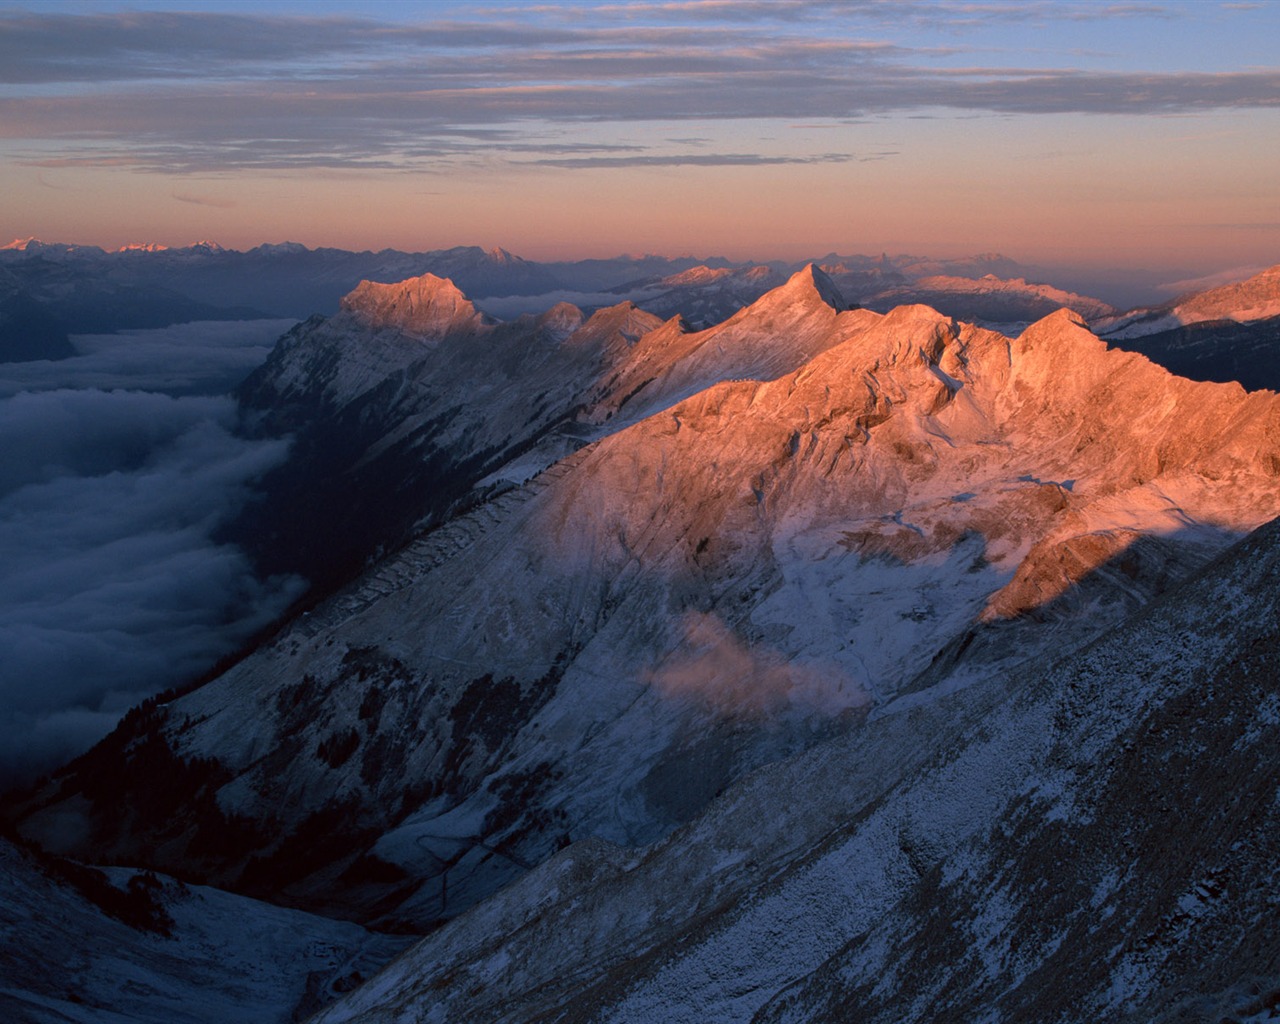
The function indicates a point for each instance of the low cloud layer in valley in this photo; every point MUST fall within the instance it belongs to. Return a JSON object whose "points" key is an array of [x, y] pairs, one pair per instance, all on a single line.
{"points": [[112, 585], [208, 358]]}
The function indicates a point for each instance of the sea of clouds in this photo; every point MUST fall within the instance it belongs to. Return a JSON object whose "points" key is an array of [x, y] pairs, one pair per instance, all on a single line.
{"points": [[117, 467]]}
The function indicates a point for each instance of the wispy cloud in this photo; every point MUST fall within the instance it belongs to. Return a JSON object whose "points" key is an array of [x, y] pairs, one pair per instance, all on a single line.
{"points": [[195, 92], [692, 160], [1249, 225], [712, 10], [711, 666], [1204, 283], [214, 201]]}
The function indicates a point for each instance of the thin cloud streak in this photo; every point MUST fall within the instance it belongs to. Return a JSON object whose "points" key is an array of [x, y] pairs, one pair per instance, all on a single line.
{"points": [[950, 14], [336, 127], [693, 160], [201, 92], [215, 202], [143, 46]]}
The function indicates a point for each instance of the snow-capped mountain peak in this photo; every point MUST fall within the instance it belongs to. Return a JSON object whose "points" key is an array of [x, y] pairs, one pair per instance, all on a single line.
{"points": [[560, 321], [1064, 323], [36, 246], [426, 307], [1253, 299], [280, 249], [806, 287]]}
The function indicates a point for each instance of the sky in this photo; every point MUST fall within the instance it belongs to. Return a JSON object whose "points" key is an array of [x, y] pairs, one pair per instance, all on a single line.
{"points": [[1059, 133]]}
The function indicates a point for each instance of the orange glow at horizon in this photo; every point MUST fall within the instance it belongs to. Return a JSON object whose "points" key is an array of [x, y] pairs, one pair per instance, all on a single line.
{"points": [[590, 131], [1029, 201]]}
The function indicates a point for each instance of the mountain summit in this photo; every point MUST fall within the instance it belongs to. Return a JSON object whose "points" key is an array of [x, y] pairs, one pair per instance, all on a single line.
{"points": [[426, 307], [805, 287], [1257, 298]]}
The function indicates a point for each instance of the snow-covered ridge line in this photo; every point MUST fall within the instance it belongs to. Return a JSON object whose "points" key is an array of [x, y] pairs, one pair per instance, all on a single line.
{"points": [[1257, 298]]}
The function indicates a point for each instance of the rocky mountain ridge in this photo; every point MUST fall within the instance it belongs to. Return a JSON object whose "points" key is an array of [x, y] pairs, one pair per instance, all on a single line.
{"points": [[1228, 333], [1257, 298], [434, 400], [989, 299], [781, 539], [289, 279], [734, 642], [51, 291]]}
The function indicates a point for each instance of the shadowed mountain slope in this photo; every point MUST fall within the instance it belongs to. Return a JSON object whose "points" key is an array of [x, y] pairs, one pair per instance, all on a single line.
{"points": [[1096, 839]]}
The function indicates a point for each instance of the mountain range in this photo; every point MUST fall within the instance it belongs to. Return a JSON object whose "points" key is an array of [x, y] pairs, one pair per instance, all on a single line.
{"points": [[795, 663], [51, 290]]}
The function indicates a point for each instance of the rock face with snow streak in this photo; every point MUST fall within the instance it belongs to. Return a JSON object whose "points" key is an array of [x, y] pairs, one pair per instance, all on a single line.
{"points": [[782, 525], [1092, 840], [1257, 298]]}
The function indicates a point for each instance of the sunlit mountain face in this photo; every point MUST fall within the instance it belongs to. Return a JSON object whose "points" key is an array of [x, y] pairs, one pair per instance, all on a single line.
{"points": [[749, 641], [180, 461]]}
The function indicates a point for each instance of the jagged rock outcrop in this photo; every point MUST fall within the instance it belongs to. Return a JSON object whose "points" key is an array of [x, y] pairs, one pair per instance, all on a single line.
{"points": [[779, 332], [428, 308]]}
